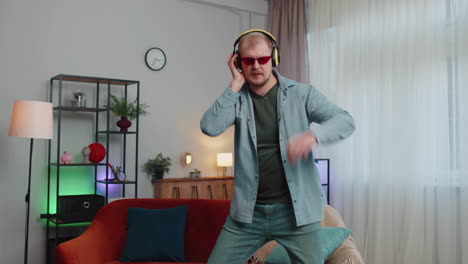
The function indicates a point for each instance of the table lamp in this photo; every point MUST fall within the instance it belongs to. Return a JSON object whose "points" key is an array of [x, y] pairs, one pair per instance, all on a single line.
{"points": [[31, 119], [224, 160]]}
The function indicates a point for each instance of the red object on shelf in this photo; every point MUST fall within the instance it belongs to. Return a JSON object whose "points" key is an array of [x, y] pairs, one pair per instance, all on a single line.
{"points": [[98, 152], [124, 124]]}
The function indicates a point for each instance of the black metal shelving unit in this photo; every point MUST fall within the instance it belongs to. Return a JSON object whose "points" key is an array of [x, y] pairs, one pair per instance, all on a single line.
{"points": [[325, 185], [57, 85]]}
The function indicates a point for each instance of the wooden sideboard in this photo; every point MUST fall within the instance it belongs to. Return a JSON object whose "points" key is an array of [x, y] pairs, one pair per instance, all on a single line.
{"points": [[195, 188]]}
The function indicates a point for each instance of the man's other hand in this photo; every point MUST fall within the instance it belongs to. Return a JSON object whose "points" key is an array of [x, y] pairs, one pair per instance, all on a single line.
{"points": [[300, 146]]}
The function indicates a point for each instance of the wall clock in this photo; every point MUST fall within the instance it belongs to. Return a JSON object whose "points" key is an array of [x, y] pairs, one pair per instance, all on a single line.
{"points": [[155, 59]]}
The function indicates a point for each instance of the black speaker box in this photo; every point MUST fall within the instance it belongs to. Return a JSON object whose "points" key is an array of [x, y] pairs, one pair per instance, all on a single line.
{"points": [[78, 208]]}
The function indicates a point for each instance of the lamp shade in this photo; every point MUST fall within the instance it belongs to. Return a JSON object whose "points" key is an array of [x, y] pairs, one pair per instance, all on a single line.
{"points": [[224, 159], [31, 119]]}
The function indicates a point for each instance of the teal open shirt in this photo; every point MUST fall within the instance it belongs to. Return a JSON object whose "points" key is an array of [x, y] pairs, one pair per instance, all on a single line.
{"points": [[298, 106]]}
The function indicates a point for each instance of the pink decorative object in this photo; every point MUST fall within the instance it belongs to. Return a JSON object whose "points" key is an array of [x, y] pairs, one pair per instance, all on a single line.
{"points": [[66, 158], [98, 152]]}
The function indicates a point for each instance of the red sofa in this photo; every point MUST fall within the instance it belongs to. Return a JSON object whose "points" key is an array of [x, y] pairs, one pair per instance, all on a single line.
{"points": [[104, 241]]}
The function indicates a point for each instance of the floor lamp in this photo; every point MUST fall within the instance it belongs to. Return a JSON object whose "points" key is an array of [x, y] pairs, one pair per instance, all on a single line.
{"points": [[31, 119]]}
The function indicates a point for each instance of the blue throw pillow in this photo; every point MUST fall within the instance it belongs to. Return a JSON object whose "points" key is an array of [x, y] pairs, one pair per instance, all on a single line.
{"points": [[155, 235], [332, 238]]}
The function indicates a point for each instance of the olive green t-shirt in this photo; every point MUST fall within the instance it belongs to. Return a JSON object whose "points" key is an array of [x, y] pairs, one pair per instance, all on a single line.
{"points": [[272, 186]]}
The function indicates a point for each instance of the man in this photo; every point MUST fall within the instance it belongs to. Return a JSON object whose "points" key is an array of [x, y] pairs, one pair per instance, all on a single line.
{"points": [[278, 194]]}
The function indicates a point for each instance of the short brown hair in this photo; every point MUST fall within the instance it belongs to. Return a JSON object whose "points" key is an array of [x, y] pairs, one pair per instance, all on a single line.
{"points": [[250, 38]]}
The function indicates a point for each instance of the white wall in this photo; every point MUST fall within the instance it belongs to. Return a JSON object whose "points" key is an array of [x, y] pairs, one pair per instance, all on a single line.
{"points": [[257, 6], [109, 38]]}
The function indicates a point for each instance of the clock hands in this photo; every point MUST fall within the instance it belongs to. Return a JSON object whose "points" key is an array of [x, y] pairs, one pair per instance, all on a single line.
{"points": [[154, 61]]}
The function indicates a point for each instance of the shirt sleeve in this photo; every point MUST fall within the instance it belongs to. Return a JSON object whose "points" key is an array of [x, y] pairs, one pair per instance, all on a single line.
{"points": [[221, 115], [334, 123]]}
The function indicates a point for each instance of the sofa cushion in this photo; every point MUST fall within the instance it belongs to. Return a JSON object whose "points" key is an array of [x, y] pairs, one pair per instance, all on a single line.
{"points": [[155, 235], [332, 237]]}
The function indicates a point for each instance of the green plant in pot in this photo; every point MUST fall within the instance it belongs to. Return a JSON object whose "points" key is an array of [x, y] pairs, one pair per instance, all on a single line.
{"points": [[195, 173], [127, 111], [158, 166]]}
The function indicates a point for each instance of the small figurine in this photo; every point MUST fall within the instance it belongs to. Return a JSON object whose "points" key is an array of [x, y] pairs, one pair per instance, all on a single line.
{"points": [[79, 99], [86, 151], [66, 158]]}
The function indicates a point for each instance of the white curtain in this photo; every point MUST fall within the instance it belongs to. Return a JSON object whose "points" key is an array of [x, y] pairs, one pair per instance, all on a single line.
{"points": [[401, 69]]}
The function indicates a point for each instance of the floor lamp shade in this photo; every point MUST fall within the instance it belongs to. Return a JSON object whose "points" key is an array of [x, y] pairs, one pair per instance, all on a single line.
{"points": [[31, 119]]}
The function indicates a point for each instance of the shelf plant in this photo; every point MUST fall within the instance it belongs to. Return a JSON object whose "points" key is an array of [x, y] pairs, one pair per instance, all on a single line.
{"points": [[127, 111]]}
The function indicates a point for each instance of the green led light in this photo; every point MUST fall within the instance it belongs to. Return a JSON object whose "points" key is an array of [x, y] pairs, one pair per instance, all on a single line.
{"points": [[52, 224], [73, 181]]}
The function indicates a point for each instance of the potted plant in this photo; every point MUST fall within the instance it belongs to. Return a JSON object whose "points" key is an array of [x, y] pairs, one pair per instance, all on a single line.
{"points": [[195, 173], [158, 166], [127, 111]]}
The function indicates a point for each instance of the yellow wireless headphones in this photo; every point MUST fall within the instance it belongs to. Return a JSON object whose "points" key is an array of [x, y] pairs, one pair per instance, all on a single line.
{"points": [[274, 53]]}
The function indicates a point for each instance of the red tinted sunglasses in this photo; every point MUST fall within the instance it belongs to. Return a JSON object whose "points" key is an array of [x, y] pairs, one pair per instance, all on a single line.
{"points": [[251, 61]]}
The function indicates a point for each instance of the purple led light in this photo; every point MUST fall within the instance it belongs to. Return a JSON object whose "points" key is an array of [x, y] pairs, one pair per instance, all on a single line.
{"points": [[322, 168], [114, 190]]}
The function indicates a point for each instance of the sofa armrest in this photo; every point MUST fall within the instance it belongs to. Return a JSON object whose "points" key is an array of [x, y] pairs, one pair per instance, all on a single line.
{"points": [[347, 253], [97, 245], [332, 218]]}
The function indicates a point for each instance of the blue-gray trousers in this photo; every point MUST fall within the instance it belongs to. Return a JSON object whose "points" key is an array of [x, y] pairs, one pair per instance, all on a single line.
{"points": [[239, 241]]}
